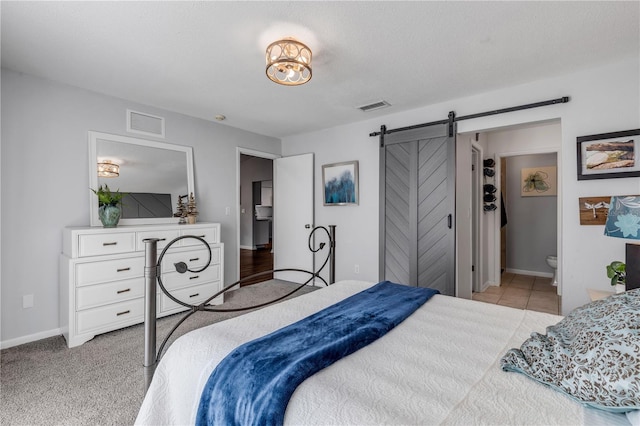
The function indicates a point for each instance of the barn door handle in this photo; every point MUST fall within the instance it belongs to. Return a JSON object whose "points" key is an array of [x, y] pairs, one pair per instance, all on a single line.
{"points": [[449, 221]]}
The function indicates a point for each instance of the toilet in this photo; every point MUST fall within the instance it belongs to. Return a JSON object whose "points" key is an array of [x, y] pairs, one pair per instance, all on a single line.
{"points": [[552, 261]]}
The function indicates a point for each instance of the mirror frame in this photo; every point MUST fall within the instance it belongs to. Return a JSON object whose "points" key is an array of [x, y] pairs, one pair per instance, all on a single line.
{"points": [[93, 174]]}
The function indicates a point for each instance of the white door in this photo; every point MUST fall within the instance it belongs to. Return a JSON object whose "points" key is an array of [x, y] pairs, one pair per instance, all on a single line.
{"points": [[292, 215]]}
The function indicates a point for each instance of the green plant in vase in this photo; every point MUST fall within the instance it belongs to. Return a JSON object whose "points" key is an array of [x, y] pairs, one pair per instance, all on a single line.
{"points": [[617, 272], [109, 206]]}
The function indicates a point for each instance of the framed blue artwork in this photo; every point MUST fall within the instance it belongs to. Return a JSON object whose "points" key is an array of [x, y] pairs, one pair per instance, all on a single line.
{"points": [[340, 183]]}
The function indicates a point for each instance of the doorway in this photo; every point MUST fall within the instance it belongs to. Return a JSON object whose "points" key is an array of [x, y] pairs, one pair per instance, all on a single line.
{"points": [[256, 217], [512, 237], [291, 212]]}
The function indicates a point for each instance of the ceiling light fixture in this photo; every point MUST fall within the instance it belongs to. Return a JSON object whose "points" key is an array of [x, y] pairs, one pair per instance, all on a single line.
{"points": [[288, 62], [108, 169]]}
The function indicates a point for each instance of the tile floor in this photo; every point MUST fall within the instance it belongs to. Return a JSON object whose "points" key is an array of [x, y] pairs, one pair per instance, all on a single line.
{"points": [[523, 292]]}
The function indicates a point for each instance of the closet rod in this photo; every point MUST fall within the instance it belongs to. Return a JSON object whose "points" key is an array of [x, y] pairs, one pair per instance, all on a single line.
{"points": [[562, 100]]}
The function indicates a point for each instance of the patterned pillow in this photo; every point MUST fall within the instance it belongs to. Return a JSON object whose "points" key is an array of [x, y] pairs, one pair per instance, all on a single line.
{"points": [[592, 355]]}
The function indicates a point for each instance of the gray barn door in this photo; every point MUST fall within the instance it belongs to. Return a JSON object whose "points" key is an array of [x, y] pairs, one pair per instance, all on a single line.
{"points": [[417, 193]]}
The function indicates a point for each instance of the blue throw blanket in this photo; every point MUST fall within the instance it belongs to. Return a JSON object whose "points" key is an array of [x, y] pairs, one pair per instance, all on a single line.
{"points": [[253, 384]]}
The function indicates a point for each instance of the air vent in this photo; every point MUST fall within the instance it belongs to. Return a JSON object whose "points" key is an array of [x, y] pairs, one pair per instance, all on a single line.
{"points": [[145, 124], [375, 105]]}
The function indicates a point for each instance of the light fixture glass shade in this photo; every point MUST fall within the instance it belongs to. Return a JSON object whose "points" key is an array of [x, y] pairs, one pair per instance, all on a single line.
{"points": [[623, 220], [108, 169], [288, 62]]}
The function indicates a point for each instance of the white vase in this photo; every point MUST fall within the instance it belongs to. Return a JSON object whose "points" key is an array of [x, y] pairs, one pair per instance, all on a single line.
{"points": [[620, 288]]}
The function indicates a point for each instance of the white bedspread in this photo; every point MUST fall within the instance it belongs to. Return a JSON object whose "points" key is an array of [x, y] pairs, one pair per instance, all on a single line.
{"points": [[440, 366]]}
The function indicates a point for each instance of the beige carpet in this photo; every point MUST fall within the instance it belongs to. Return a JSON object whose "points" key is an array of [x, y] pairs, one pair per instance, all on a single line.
{"points": [[102, 381]]}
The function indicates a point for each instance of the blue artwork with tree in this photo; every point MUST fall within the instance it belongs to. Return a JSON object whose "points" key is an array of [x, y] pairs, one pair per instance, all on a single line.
{"points": [[340, 184]]}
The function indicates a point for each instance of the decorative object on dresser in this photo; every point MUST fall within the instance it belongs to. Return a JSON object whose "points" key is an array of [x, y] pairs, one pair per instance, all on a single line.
{"points": [[192, 210], [109, 209], [623, 221], [181, 210], [102, 275]]}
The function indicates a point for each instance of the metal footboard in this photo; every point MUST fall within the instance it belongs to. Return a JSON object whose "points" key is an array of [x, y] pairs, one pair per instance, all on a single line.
{"points": [[153, 278]]}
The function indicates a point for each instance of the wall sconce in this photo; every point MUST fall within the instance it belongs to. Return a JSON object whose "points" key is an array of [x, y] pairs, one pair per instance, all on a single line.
{"points": [[107, 169], [623, 221], [288, 62]]}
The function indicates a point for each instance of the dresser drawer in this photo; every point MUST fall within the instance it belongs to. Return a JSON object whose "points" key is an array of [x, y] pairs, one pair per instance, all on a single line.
{"points": [[109, 270], [193, 295], [194, 259], [100, 244], [165, 238], [210, 235], [103, 294], [174, 280], [113, 316]]}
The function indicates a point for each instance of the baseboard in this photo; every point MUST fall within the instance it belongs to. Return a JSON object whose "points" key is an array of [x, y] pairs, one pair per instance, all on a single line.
{"points": [[531, 273], [30, 338], [248, 247], [487, 284]]}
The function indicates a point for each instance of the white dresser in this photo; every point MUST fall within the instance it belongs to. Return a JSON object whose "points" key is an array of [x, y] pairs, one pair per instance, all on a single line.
{"points": [[102, 275]]}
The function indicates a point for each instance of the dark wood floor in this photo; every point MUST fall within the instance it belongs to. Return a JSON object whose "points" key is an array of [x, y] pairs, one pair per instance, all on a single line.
{"points": [[254, 261]]}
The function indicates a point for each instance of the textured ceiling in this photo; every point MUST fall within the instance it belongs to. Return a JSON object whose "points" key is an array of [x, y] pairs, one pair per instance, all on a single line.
{"points": [[207, 58]]}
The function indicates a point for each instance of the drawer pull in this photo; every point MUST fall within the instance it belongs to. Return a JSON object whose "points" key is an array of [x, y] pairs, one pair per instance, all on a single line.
{"points": [[123, 313], [123, 269], [124, 291], [162, 239], [194, 259], [194, 295], [110, 244], [202, 236], [194, 277]]}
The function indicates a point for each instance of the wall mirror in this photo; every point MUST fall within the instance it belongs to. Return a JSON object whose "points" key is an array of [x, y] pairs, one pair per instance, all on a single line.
{"points": [[152, 174]]}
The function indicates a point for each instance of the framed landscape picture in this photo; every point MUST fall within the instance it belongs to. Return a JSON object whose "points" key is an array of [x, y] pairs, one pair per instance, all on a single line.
{"points": [[609, 155], [340, 183]]}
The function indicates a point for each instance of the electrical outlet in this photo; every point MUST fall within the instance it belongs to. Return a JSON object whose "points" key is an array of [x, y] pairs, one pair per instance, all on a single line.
{"points": [[356, 268], [242, 211], [27, 301]]}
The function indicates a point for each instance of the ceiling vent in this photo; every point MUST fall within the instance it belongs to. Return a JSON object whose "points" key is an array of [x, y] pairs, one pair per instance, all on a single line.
{"points": [[375, 105]]}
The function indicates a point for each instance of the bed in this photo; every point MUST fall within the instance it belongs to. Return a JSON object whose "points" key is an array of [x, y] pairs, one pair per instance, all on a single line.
{"points": [[439, 366]]}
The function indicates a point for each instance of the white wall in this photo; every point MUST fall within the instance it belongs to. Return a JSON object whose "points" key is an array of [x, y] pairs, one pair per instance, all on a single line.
{"points": [[603, 99], [356, 226], [45, 183]]}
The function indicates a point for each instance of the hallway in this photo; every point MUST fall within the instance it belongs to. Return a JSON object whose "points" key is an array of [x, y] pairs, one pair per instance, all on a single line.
{"points": [[523, 292], [255, 261]]}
